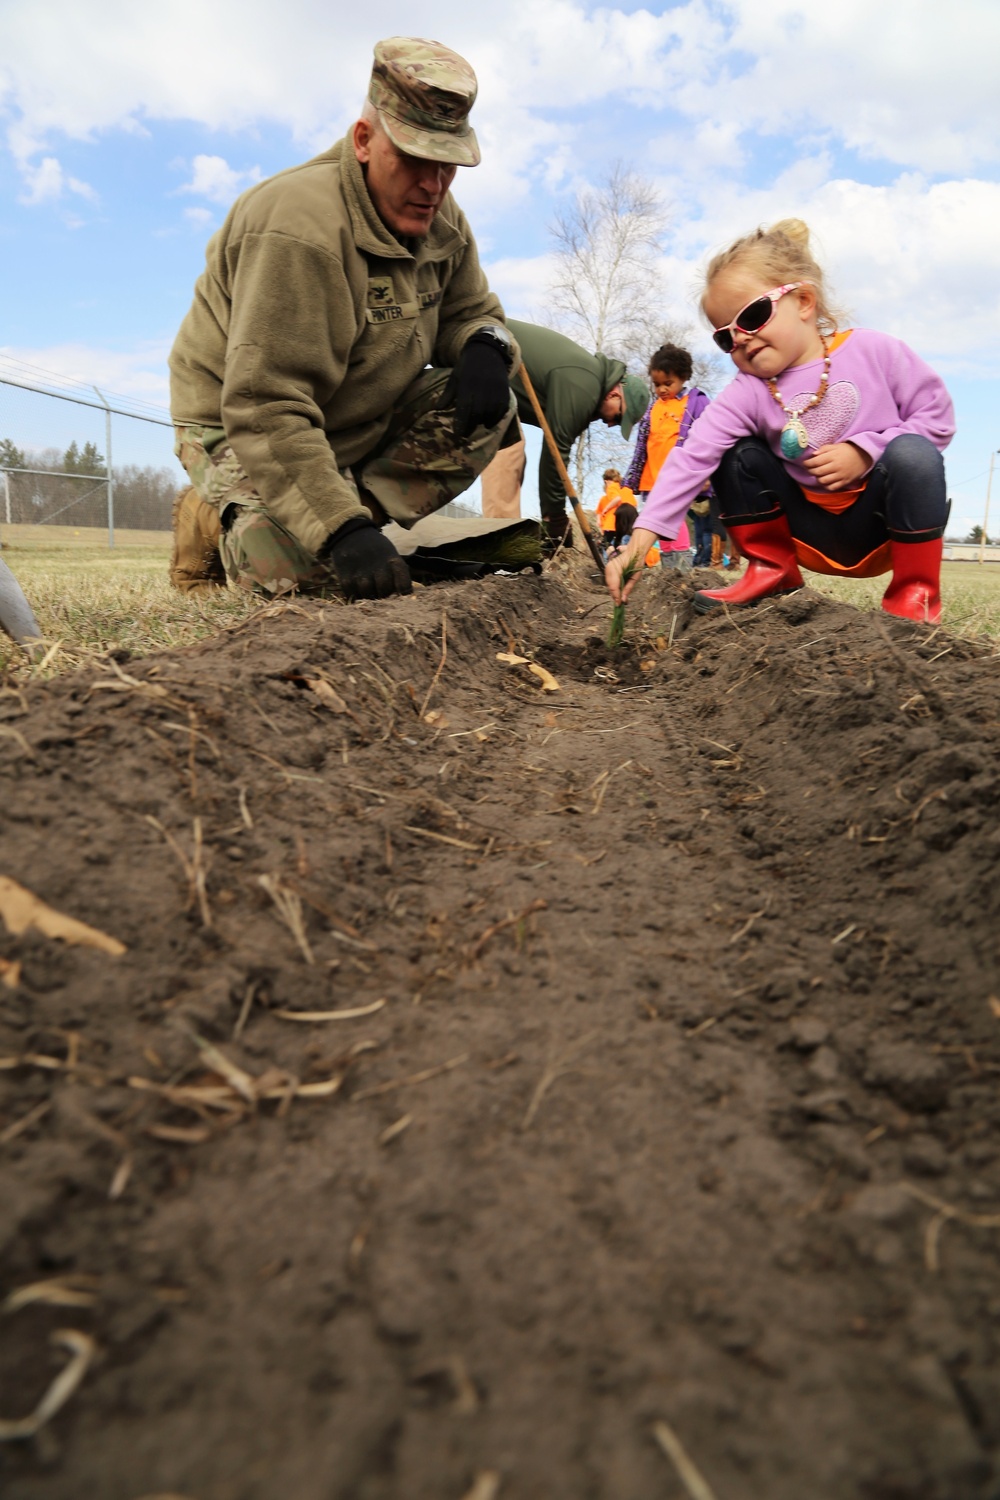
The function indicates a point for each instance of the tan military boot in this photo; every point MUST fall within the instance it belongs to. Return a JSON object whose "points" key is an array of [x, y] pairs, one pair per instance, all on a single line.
{"points": [[195, 562], [716, 558]]}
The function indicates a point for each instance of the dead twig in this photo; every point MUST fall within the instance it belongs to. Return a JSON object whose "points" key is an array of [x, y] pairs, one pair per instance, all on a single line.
{"points": [[442, 838], [394, 1131], [289, 907], [742, 931], [193, 868], [244, 810], [491, 932], [440, 666], [119, 1181], [16, 735], [18, 1127], [602, 784], [330, 1015], [553, 1070], [82, 1349], [670, 1444], [735, 765], [390, 1087], [244, 1084], [249, 995], [61, 1291], [943, 1213], [328, 912]]}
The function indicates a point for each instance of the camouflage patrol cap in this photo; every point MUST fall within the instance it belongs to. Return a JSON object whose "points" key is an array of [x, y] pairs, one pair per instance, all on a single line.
{"points": [[423, 93]]}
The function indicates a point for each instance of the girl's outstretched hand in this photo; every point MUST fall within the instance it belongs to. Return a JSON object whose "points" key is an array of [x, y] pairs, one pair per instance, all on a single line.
{"points": [[838, 466], [637, 549]]}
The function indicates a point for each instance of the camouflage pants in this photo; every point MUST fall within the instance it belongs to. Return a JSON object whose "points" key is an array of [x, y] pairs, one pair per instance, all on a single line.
{"points": [[418, 467]]}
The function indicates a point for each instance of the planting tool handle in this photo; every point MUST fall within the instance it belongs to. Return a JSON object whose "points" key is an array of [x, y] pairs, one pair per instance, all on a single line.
{"points": [[571, 494]]}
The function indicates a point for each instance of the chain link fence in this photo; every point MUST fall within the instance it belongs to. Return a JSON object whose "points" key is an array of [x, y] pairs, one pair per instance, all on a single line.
{"points": [[78, 463]]}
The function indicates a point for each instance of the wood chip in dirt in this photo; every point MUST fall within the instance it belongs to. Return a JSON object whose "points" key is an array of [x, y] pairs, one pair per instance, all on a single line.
{"points": [[21, 910]]}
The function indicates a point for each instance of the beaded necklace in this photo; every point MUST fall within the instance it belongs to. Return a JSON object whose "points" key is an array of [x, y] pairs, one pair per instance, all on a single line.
{"points": [[794, 437]]}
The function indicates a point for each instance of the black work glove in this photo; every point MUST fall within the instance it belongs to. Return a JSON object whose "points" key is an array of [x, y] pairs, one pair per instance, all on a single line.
{"points": [[478, 386], [366, 563]]}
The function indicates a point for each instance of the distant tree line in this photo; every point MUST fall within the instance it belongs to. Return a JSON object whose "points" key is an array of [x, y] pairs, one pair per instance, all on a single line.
{"points": [[143, 495]]}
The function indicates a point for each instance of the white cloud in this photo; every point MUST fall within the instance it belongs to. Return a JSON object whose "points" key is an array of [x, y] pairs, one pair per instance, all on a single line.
{"points": [[907, 90], [215, 179], [910, 84], [522, 285], [913, 258], [45, 182], [138, 374]]}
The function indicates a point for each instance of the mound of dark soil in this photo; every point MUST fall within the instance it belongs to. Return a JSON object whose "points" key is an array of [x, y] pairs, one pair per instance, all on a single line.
{"points": [[681, 1107]]}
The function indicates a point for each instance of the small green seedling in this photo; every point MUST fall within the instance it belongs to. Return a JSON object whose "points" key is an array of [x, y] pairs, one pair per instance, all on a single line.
{"points": [[616, 633]]}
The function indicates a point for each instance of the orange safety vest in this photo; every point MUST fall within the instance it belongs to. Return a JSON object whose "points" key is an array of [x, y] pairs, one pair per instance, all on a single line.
{"points": [[616, 494]]}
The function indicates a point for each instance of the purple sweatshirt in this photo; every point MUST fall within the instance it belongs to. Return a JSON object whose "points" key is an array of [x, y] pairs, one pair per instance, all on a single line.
{"points": [[878, 390]]}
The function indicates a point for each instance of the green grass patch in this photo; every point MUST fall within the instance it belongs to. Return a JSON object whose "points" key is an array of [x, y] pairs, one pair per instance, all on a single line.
{"points": [[970, 596], [91, 599]]}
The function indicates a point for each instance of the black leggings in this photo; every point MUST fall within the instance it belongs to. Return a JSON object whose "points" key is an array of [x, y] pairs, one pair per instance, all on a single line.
{"points": [[904, 499]]}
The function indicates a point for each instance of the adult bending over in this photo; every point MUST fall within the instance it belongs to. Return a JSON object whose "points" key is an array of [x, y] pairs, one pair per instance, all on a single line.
{"points": [[574, 388]]}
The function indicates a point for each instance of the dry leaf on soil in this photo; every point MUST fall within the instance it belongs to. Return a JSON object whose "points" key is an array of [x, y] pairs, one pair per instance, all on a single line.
{"points": [[10, 972], [20, 909], [549, 683], [326, 694]]}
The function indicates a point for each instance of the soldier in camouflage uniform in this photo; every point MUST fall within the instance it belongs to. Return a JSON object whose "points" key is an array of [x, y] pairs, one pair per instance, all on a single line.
{"points": [[305, 414]]}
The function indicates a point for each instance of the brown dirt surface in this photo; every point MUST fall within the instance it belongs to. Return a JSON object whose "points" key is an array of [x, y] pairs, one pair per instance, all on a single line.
{"points": [[681, 1107]]}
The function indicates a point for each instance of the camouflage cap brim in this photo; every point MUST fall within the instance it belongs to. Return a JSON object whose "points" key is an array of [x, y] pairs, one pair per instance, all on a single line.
{"points": [[457, 148], [635, 399]]}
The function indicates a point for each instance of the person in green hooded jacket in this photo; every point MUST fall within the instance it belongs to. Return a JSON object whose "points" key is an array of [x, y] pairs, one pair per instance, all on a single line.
{"points": [[574, 388], [344, 362]]}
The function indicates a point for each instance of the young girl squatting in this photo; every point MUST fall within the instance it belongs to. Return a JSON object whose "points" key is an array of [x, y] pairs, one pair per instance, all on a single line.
{"points": [[826, 448]]}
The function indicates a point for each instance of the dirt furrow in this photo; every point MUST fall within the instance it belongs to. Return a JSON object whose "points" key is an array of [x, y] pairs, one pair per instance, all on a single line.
{"points": [[681, 1106]]}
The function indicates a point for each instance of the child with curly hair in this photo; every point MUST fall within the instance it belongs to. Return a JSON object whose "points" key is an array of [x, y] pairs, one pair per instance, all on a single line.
{"points": [[665, 426]]}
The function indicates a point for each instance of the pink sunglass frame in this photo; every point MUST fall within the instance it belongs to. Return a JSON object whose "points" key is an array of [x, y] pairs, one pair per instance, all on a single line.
{"points": [[735, 327]]}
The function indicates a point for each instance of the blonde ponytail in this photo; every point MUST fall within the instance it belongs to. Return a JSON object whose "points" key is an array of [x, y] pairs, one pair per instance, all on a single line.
{"points": [[779, 254]]}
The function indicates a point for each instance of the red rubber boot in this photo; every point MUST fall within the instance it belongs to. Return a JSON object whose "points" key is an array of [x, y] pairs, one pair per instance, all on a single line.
{"points": [[773, 568], [915, 590]]}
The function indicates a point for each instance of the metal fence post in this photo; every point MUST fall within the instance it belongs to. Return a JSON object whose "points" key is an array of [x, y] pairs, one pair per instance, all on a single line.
{"points": [[6, 492], [107, 460]]}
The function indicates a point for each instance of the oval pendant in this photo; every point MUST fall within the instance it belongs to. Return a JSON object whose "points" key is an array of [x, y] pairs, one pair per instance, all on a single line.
{"points": [[794, 439]]}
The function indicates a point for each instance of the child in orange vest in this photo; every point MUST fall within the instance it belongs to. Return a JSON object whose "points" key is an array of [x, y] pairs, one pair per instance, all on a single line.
{"points": [[667, 422], [615, 494]]}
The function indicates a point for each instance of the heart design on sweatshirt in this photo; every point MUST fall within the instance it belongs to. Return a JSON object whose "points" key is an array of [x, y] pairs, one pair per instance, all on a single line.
{"points": [[827, 422]]}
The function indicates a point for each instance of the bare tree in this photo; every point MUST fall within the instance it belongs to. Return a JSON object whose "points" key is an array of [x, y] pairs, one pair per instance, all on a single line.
{"points": [[607, 291], [608, 294], [607, 287]]}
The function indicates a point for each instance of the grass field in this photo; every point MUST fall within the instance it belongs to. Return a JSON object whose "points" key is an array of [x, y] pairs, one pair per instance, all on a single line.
{"points": [[89, 598]]}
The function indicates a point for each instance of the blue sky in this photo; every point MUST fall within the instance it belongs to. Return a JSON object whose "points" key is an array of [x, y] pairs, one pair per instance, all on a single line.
{"points": [[127, 131]]}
